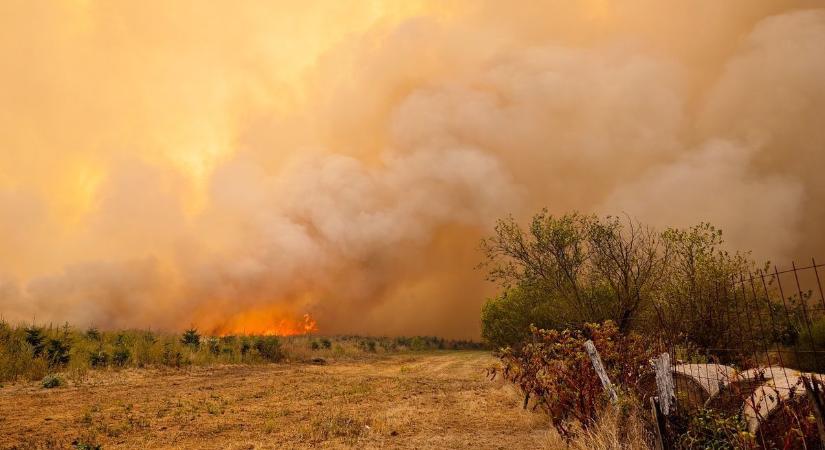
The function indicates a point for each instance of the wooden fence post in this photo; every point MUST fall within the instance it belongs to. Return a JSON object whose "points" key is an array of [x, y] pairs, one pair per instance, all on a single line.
{"points": [[661, 442], [664, 384], [596, 360]]}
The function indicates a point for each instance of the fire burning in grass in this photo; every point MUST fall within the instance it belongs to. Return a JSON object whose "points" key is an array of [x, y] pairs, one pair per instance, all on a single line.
{"points": [[268, 323]]}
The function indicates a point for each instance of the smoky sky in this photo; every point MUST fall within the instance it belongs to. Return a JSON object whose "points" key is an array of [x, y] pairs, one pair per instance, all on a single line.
{"points": [[230, 165]]}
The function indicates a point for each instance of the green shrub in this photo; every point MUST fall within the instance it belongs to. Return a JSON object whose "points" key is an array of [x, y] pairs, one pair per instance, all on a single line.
{"points": [[99, 359], [418, 344], [801, 353], [214, 346], [246, 346], [326, 343], [191, 338], [171, 356], [506, 319], [93, 334], [36, 339], [84, 445], [367, 345], [57, 352], [711, 429], [269, 347], [52, 381], [121, 356], [389, 345]]}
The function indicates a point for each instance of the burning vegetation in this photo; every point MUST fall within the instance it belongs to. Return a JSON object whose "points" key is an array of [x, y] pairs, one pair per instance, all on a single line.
{"points": [[267, 323]]}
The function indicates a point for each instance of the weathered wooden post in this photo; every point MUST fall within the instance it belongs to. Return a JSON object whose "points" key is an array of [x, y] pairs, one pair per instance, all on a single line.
{"points": [[596, 360], [661, 442], [665, 403], [664, 384]]}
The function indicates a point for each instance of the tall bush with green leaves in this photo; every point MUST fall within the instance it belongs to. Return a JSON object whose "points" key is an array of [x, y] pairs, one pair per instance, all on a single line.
{"points": [[701, 298], [564, 271], [506, 319], [579, 268]]}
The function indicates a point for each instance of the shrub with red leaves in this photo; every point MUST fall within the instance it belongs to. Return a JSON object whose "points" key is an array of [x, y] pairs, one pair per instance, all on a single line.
{"points": [[555, 370]]}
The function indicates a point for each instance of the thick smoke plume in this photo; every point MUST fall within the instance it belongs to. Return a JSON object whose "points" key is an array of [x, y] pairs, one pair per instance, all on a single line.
{"points": [[233, 166]]}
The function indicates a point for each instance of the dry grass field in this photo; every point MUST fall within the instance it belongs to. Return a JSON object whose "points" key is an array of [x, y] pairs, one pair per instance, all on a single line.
{"points": [[419, 400]]}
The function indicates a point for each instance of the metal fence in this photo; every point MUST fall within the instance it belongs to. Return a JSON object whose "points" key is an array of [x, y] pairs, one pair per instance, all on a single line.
{"points": [[756, 352]]}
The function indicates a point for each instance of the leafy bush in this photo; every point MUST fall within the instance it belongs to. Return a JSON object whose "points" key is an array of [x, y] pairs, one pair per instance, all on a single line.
{"points": [[389, 346], [36, 339], [86, 446], [171, 356], [246, 346], [417, 344], [572, 269], [367, 345], [99, 358], [57, 352], [121, 356], [52, 381], [191, 338], [93, 334], [506, 319], [269, 347], [802, 343], [556, 371], [326, 343], [214, 346], [711, 429]]}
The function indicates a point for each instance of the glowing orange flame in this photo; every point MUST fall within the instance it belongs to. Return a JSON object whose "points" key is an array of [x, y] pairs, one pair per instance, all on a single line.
{"points": [[267, 323]]}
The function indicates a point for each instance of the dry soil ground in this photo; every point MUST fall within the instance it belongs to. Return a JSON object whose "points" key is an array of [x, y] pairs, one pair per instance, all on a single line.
{"points": [[427, 400]]}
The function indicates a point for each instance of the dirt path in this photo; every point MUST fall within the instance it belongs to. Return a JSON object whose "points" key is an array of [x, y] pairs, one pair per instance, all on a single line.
{"points": [[435, 400]]}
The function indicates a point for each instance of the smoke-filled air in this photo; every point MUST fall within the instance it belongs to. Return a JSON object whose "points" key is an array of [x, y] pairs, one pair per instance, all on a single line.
{"points": [[235, 166]]}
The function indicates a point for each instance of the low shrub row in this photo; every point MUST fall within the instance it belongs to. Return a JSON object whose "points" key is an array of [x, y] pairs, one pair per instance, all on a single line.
{"points": [[31, 352]]}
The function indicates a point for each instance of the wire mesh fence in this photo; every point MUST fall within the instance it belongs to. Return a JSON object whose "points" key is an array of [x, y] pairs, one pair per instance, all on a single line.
{"points": [[755, 349]]}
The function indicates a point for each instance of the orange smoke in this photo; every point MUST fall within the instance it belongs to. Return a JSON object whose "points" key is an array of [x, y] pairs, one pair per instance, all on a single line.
{"points": [[234, 165], [267, 323]]}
